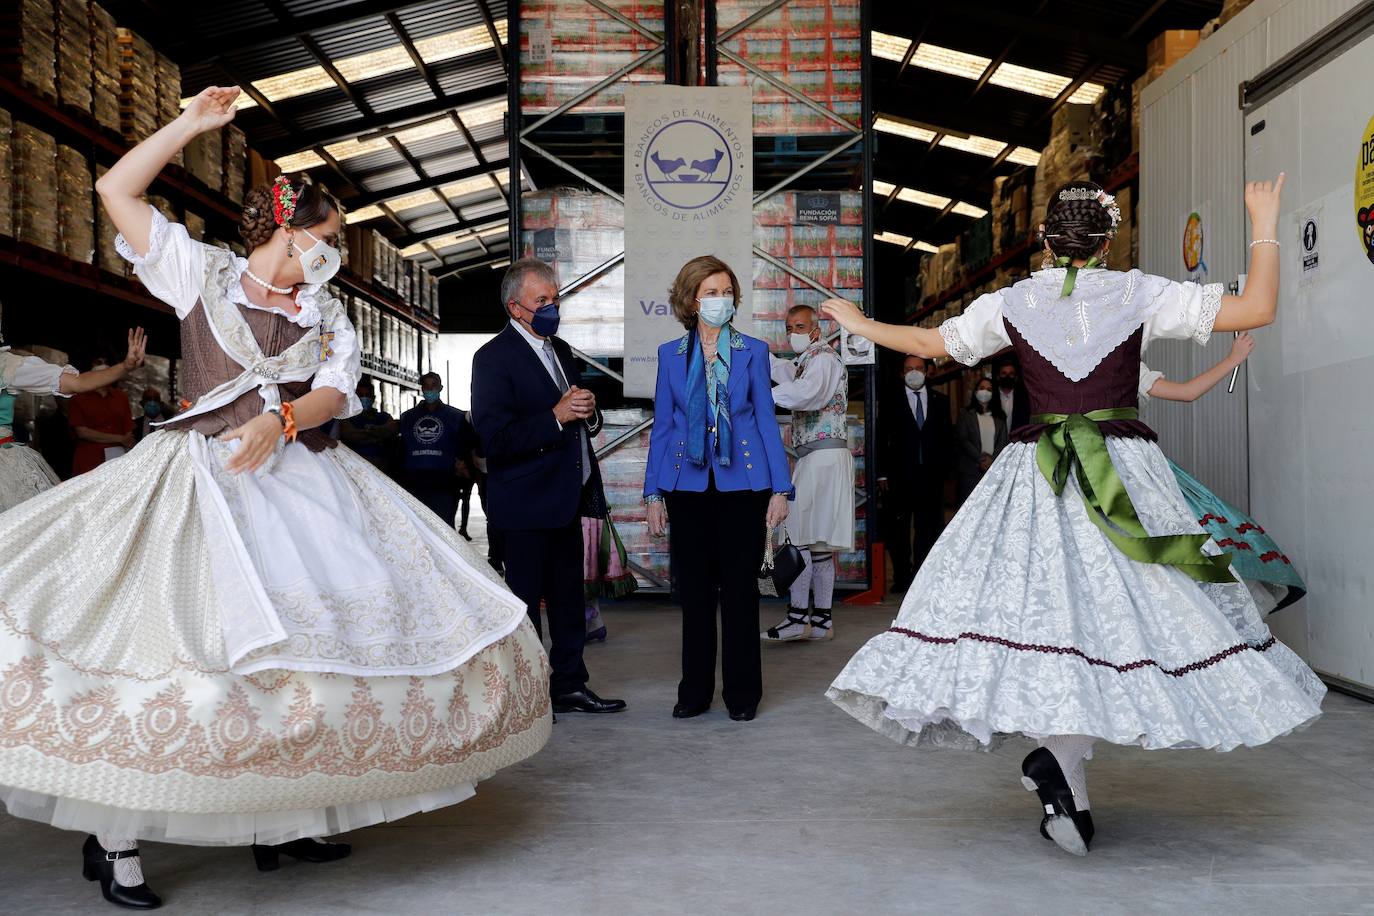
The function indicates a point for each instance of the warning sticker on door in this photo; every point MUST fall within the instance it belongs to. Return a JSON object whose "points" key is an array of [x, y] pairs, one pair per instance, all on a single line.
{"points": [[1364, 191], [1309, 245]]}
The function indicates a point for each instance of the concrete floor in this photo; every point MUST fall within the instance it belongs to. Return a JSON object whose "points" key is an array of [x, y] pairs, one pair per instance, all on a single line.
{"points": [[801, 811]]}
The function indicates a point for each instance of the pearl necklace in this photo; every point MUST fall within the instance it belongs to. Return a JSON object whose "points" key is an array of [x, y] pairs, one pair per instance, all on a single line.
{"points": [[267, 286]]}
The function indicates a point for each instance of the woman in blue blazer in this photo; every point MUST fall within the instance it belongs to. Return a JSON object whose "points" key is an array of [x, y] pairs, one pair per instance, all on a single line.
{"points": [[718, 468]]}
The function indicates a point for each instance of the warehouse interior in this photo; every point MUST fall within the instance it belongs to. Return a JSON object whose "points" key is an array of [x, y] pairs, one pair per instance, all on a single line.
{"points": [[460, 135]]}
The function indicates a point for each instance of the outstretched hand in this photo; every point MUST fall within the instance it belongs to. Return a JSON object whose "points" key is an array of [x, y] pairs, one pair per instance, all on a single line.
{"points": [[138, 349], [1262, 203], [212, 108], [842, 312]]}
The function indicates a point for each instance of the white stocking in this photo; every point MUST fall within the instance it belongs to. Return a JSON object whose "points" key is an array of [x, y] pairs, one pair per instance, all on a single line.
{"points": [[1070, 751], [823, 579], [801, 589], [127, 872]]}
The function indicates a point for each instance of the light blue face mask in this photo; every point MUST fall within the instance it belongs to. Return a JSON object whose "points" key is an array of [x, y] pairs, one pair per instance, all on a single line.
{"points": [[430, 396], [717, 310], [367, 402]]}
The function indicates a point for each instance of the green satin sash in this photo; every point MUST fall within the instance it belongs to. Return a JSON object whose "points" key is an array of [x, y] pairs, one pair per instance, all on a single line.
{"points": [[1071, 274], [1074, 442]]}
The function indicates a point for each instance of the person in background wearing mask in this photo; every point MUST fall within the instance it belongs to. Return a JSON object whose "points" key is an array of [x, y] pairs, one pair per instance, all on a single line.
{"points": [[431, 437], [815, 387], [102, 421], [372, 433], [915, 460], [1012, 396], [155, 410], [536, 430], [981, 434]]}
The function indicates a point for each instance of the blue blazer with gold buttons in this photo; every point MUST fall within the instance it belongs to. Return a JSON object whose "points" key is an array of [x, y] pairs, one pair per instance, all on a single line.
{"points": [[757, 458]]}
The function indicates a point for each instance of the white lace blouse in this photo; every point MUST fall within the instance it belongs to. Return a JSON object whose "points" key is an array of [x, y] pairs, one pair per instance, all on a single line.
{"points": [[174, 268], [1078, 332]]}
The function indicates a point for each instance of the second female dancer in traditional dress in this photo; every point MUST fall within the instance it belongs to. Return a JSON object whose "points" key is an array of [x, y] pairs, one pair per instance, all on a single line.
{"points": [[23, 472], [1073, 599], [1274, 582], [238, 633]]}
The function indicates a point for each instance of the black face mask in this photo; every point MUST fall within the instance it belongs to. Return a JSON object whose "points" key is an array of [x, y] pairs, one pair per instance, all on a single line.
{"points": [[1006, 382]]}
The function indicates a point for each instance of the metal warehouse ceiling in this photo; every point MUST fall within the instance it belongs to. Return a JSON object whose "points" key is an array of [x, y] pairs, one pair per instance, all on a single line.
{"points": [[397, 107]]}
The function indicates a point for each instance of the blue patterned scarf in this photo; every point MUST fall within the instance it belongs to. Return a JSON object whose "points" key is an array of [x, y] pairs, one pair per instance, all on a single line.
{"points": [[708, 395]]}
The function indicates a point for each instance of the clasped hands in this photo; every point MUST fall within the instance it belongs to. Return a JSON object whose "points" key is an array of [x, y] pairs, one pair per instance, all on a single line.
{"points": [[576, 404]]}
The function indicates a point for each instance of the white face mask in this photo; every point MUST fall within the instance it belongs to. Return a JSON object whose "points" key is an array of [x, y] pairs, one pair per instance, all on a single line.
{"points": [[717, 310], [799, 342], [321, 262], [983, 395], [915, 379]]}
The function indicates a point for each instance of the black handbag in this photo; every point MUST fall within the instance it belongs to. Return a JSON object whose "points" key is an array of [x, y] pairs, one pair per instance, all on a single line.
{"points": [[781, 567]]}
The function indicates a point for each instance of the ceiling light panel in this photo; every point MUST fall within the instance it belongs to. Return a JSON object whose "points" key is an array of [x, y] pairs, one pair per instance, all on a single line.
{"points": [[893, 238], [926, 247], [890, 47], [902, 129]]}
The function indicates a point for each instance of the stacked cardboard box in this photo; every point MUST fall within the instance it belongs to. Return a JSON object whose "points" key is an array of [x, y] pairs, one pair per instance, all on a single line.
{"points": [[6, 173], [1125, 247], [205, 158], [1068, 156], [235, 159], [75, 206], [28, 34], [195, 226], [104, 66], [106, 255], [1011, 216], [1166, 49], [578, 46], [1112, 135], [168, 95], [138, 101], [35, 187], [73, 53]]}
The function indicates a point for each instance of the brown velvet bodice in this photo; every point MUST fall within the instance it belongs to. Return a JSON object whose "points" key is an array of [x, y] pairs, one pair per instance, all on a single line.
{"points": [[204, 366], [1114, 382]]}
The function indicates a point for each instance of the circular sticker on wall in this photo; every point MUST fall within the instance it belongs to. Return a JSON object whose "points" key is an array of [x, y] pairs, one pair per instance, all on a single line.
{"points": [[1192, 242], [1364, 191]]}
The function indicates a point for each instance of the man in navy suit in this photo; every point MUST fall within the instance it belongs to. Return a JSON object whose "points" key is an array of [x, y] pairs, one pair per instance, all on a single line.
{"points": [[536, 431]]}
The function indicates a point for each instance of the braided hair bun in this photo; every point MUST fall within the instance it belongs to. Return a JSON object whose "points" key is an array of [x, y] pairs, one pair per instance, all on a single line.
{"points": [[258, 222], [1079, 227]]}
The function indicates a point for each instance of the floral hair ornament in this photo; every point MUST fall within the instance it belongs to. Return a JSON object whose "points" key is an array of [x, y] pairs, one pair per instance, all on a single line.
{"points": [[283, 200], [1107, 201]]}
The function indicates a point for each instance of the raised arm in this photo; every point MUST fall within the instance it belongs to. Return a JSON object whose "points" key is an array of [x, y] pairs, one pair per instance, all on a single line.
{"points": [[122, 187], [925, 342], [1199, 385], [1259, 304], [71, 383]]}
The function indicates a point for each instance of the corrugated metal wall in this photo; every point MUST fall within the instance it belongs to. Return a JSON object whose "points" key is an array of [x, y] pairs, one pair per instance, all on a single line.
{"points": [[1192, 155]]}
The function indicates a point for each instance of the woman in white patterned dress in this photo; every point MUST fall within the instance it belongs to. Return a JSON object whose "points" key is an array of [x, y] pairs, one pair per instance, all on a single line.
{"points": [[239, 633], [23, 472], [1073, 599]]}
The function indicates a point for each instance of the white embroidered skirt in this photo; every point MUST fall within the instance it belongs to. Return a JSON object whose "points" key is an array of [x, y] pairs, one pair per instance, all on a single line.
{"points": [[823, 512], [1026, 619], [200, 658], [23, 474]]}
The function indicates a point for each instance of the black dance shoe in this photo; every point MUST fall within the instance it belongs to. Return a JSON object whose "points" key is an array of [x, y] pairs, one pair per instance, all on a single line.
{"points": [[585, 700], [744, 715], [98, 865], [268, 858], [683, 711], [1070, 829]]}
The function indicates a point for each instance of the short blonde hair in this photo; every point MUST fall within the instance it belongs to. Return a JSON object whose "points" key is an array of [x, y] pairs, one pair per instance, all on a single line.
{"points": [[689, 279]]}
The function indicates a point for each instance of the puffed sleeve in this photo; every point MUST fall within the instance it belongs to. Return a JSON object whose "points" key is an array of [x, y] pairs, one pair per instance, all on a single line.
{"points": [[1148, 377], [344, 368], [174, 266], [1186, 310], [979, 332], [38, 376]]}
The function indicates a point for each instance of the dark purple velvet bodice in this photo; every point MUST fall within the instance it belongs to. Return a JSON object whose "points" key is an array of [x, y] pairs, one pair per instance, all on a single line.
{"points": [[1114, 382]]}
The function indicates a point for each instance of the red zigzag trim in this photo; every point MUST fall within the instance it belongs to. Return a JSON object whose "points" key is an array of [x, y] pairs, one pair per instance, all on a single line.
{"points": [[1070, 650]]}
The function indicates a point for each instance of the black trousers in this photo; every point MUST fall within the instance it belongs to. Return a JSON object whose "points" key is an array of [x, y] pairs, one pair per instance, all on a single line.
{"points": [[717, 548], [922, 508], [546, 564], [464, 497]]}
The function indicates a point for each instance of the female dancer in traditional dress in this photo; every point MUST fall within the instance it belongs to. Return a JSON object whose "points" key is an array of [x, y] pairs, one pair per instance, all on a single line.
{"points": [[1256, 558], [23, 472], [239, 633], [1073, 598]]}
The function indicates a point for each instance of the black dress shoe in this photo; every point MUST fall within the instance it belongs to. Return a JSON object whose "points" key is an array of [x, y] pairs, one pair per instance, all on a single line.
{"points": [[1062, 822], [585, 700], [683, 711], [744, 715], [306, 850], [98, 865]]}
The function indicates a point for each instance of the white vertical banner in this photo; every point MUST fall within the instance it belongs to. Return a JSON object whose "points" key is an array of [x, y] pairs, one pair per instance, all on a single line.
{"points": [[689, 189]]}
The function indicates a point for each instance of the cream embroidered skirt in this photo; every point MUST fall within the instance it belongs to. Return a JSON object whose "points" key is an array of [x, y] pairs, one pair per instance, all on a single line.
{"points": [[195, 657], [23, 474], [1026, 619]]}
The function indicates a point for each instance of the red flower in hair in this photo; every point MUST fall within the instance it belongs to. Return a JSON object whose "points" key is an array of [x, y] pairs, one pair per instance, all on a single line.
{"points": [[283, 200]]}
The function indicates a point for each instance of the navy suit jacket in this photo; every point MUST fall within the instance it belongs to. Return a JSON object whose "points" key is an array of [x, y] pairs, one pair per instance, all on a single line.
{"points": [[534, 469]]}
